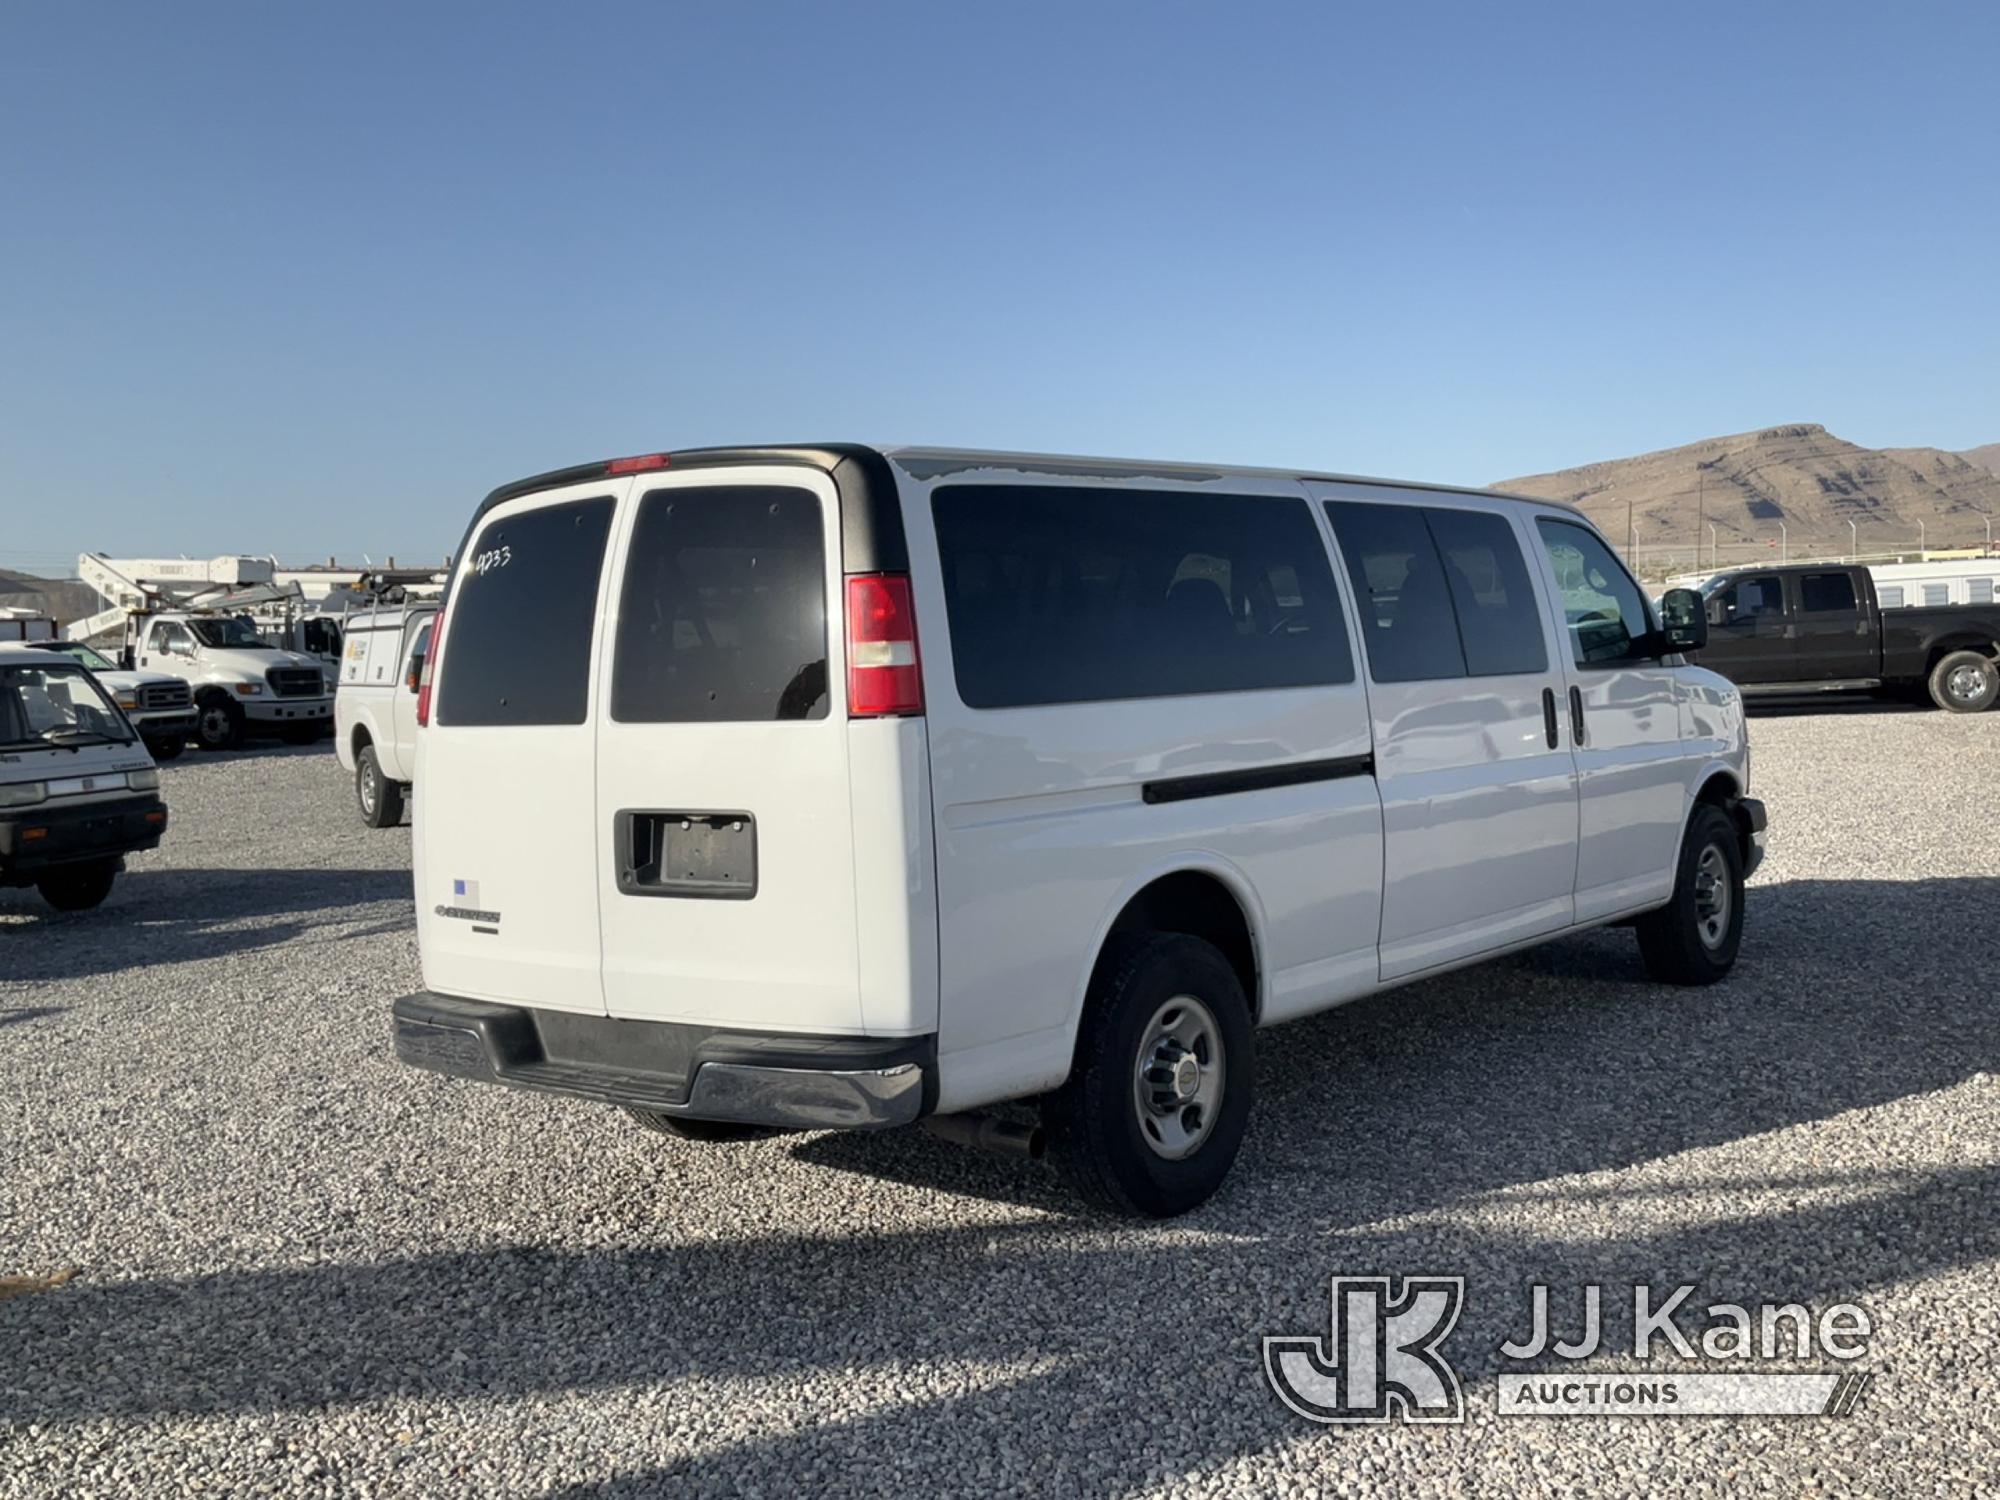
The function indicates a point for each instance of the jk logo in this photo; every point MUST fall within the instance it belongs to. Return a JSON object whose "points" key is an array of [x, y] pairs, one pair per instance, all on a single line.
{"points": [[1381, 1358]]}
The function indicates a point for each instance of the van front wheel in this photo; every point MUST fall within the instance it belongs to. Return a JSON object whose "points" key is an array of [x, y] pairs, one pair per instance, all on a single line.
{"points": [[1693, 938], [1157, 1104]]}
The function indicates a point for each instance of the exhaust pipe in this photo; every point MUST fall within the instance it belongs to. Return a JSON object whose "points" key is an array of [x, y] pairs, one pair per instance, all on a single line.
{"points": [[989, 1133]]}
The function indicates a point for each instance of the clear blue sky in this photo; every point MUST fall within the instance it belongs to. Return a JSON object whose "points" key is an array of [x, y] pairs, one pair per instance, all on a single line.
{"points": [[311, 281]]}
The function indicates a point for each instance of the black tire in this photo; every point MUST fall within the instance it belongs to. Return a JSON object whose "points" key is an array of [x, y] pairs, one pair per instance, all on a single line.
{"points": [[1109, 1143], [1965, 682], [218, 723], [713, 1132], [78, 887], [379, 798], [1688, 941], [166, 749]]}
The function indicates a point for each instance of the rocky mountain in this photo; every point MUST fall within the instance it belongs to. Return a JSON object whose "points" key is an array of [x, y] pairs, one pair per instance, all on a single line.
{"points": [[59, 598], [1801, 477]]}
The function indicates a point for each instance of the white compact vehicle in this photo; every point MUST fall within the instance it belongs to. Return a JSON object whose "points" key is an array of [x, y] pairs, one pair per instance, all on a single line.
{"points": [[375, 711], [241, 683], [810, 787], [77, 789], [160, 707]]}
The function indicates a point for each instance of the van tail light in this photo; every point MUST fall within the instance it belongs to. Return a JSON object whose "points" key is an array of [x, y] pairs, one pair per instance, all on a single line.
{"points": [[883, 677], [430, 671]]}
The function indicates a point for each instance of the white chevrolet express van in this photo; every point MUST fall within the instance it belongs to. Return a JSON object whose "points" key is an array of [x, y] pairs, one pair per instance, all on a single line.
{"points": [[834, 786]]}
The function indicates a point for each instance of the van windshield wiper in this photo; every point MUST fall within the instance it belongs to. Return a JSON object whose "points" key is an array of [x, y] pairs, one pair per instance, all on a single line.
{"points": [[76, 739]]}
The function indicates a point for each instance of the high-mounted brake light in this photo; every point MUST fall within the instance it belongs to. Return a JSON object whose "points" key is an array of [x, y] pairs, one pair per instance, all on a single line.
{"points": [[883, 677], [430, 671], [639, 465]]}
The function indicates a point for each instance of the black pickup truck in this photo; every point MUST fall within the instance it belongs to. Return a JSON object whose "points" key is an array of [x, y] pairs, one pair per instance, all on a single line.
{"points": [[1817, 628]]}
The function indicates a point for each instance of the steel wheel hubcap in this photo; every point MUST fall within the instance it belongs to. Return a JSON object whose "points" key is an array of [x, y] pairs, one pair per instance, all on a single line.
{"points": [[1711, 897], [1966, 683], [1178, 1077], [367, 782]]}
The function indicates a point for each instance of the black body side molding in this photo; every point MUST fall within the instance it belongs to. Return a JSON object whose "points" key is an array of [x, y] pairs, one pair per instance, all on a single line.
{"points": [[1257, 778]]}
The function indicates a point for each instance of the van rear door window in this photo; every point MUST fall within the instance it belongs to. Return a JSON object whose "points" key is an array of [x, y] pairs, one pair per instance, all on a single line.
{"points": [[1057, 594], [722, 618], [1499, 618], [522, 612], [1407, 623]]}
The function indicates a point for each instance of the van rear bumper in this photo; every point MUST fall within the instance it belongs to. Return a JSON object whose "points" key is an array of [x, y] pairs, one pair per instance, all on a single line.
{"points": [[698, 1072]]}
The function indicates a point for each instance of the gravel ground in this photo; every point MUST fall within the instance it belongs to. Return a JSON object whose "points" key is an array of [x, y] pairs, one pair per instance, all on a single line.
{"points": [[304, 1269]]}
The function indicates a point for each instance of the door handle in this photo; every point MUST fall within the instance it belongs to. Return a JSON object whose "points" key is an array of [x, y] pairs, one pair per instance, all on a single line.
{"points": [[1549, 716], [1576, 715]]}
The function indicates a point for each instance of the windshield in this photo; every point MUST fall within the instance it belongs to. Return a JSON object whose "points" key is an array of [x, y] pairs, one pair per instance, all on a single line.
{"points": [[237, 635], [54, 706]]}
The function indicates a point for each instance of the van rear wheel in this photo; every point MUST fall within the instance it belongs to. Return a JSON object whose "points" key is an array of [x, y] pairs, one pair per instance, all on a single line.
{"points": [[684, 1129], [1693, 939], [1157, 1105]]}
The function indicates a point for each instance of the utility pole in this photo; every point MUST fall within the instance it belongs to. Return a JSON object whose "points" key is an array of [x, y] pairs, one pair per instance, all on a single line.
{"points": [[1711, 546], [1631, 538], [1853, 539], [1784, 543], [1701, 511], [1923, 547]]}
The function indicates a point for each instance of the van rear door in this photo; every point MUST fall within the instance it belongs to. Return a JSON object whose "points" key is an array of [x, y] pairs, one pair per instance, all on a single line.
{"points": [[725, 863], [507, 842]]}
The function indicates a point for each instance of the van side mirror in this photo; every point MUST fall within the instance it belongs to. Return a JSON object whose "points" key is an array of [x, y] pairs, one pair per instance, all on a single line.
{"points": [[414, 678], [1683, 620]]}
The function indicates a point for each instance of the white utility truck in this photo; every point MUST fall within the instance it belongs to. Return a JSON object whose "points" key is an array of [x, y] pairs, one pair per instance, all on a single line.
{"points": [[840, 786], [375, 711], [242, 685], [159, 706], [77, 789]]}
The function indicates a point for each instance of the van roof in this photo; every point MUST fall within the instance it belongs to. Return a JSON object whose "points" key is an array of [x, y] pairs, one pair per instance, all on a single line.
{"points": [[922, 463]]}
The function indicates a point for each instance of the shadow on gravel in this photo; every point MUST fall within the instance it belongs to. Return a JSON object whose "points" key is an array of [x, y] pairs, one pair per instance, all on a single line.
{"points": [[28, 1013], [1369, 1121], [1833, 703], [164, 916]]}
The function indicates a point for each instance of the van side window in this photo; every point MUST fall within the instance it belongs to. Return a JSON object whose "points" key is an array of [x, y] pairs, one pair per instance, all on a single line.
{"points": [[1061, 595], [1607, 616], [1400, 591], [523, 609], [1825, 593], [722, 615], [1499, 618]]}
